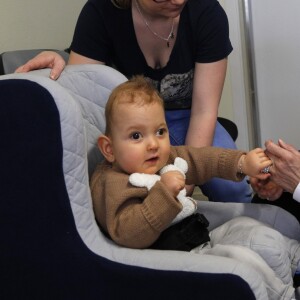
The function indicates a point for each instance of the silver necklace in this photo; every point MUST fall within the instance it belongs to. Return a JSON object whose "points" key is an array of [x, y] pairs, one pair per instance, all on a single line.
{"points": [[167, 39]]}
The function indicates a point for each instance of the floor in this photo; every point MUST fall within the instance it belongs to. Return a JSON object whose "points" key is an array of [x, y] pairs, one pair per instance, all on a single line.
{"points": [[198, 194]]}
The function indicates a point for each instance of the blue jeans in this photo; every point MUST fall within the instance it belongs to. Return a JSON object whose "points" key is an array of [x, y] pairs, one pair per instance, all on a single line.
{"points": [[216, 189]]}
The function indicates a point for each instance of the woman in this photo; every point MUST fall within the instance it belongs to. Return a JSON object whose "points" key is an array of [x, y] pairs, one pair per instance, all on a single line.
{"points": [[181, 46]]}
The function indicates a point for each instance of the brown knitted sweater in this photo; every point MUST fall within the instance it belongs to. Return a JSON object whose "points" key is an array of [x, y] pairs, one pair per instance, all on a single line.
{"points": [[135, 217]]}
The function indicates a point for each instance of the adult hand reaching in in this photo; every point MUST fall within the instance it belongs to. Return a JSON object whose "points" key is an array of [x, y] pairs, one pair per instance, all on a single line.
{"points": [[285, 170], [45, 59], [266, 189]]}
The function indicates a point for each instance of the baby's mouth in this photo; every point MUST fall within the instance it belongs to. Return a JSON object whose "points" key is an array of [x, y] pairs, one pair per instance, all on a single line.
{"points": [[152, 159]]}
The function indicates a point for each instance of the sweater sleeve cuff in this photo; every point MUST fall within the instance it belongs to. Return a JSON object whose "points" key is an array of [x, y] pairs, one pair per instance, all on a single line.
{"points": [[296, 195]]}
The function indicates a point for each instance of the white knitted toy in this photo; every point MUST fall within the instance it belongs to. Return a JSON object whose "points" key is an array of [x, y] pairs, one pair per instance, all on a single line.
{"points": [[189, 205]]}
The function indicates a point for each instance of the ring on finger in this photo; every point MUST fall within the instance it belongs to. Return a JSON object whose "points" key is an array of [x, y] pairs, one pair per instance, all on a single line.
{"points": [[266, 170]]}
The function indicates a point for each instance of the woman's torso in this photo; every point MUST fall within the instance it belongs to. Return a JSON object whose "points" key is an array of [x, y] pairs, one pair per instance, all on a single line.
{"points": [[107, 34]]}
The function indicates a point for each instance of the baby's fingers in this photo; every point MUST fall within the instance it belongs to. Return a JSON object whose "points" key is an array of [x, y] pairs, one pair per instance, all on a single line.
{"points": [[265, 166]]}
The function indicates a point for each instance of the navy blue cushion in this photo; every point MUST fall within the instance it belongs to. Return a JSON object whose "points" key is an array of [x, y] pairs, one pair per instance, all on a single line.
{"points": [[41, 253]]}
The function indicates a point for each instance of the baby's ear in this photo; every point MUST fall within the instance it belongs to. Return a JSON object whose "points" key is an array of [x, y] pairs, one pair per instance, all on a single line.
{"points": [[105, 146]]}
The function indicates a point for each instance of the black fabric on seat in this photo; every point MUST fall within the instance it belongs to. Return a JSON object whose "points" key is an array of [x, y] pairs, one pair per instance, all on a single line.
{"points": [[230, 127], [285, 201]]}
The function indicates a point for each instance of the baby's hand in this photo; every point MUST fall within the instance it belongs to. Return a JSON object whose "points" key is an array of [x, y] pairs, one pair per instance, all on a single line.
{"points": [[266, 189], [254, 162], [174, 181]]}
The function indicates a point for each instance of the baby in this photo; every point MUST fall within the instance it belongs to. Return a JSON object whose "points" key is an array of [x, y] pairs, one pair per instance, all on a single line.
{"points": [[136, 141]]}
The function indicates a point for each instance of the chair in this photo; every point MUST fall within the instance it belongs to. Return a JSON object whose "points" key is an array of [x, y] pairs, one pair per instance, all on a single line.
{"points": [[51, 246]]}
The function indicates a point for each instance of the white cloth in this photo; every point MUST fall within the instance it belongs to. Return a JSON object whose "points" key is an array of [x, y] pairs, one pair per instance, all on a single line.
{"points": [[271, 254], [189, 205]]}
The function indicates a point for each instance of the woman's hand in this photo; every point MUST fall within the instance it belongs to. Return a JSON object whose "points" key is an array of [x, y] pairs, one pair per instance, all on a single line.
{"points": [[45, 59], [266, 189]]}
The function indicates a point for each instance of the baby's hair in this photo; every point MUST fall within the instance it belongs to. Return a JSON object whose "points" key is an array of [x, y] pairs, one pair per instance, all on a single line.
{"points": [[138, 91]]}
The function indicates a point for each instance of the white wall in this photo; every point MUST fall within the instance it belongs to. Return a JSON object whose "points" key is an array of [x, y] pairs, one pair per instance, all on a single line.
{"points": [[235, 99], [237, 75], [28, 24], [275, 48], [265, 70]]}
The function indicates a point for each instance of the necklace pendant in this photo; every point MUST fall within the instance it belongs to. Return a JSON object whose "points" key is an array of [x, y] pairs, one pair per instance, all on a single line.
{"points": [[171, 34]]}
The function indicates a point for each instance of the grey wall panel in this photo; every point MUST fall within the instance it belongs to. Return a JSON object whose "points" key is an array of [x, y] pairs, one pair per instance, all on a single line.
{"points": [[274, 27]]}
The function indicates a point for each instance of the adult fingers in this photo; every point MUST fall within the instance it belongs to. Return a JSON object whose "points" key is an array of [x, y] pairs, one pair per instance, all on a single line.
{"points": [[286, 146], [57, 68], [273, 149]]}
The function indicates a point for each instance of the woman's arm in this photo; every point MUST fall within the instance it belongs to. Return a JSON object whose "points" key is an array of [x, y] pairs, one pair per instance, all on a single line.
{"points": [[77, 59], [207, 90]]}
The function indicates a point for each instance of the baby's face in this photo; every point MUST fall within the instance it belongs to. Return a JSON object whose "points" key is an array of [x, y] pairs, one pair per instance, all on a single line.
{"points": [[140, 138]]}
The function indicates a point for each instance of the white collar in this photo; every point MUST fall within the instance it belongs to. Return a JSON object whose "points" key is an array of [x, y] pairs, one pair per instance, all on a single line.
{"points": [[296, 194]]}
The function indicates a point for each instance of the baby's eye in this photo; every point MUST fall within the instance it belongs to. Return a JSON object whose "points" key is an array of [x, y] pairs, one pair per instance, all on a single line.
{"points": [[136, 136], [161, 131]]}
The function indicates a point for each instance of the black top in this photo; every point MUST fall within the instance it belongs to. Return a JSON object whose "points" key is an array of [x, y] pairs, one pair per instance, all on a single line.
{"points": [[106, 33]]}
